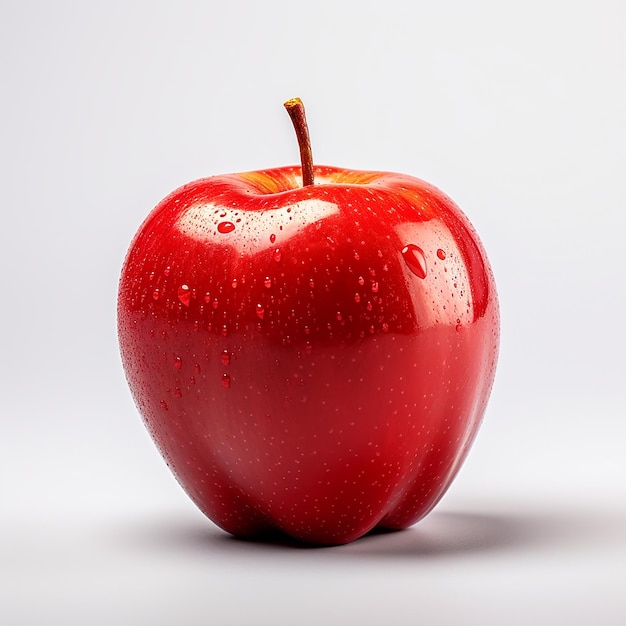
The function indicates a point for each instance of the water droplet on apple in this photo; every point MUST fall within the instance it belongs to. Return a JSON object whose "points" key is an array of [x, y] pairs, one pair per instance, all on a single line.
{"points": [[166, 271], [414, 258], [234, 283], [267, 282], [224, 330], [184, 294], [163, 404], [459, 328], [441, 254], [339, 316], [375, 287], [277, 255], [272, 238], [178, 362], [260, 311], [207, 297], [225, 358], [311, 283], [197, 368], [178, 393], [225, 227], [357, 298], [361, 280], [156, 294], [225, 381]]}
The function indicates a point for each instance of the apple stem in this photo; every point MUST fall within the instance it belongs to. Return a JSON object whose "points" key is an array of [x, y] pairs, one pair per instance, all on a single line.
{"points": [[295, 108]]}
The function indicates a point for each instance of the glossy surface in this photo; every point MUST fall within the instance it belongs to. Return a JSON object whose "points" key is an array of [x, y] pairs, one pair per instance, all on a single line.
{"points": [[310, 359]]}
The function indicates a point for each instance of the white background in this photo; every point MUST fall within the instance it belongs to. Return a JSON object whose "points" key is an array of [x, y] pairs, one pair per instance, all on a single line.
{"points": [[516, 110]]}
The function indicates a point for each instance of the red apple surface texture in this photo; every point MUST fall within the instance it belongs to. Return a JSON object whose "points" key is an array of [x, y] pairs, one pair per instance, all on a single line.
{"points": [[313, 359]]}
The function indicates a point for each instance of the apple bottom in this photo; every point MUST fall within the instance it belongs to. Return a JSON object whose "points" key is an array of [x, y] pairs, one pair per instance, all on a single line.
{"points": [[322, 444]]}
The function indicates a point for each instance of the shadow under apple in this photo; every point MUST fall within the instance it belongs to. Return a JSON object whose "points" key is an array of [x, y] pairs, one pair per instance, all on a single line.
{"points": [[440, 535]]}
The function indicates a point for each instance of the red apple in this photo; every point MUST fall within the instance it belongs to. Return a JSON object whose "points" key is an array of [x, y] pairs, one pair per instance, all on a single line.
{"points": [[309, 358]]}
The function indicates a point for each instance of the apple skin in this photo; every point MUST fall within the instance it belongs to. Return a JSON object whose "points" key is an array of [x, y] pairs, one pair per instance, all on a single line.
{"points": [[311, 360]]}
